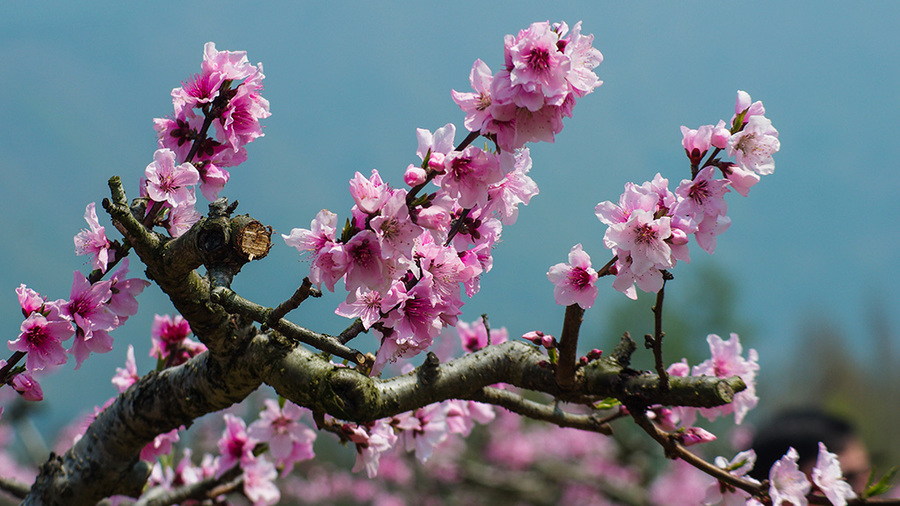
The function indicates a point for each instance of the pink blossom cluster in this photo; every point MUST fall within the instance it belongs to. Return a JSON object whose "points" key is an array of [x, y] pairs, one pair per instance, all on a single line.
{"points": [[404, 258], [279, 430], [546, 68], [787, 483], [171, 344], [726, 360], [650, 226], [418, 431], [92, 311], [225, 95], [405, 261]]}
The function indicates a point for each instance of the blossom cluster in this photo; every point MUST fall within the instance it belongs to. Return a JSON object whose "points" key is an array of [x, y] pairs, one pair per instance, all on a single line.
{"points": [[405, 258], [225, 95], [650, 226], [92, 311], [545, 69]]}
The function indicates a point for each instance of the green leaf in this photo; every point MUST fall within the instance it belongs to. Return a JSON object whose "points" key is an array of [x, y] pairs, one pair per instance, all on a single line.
{"points": [[881, 486]]}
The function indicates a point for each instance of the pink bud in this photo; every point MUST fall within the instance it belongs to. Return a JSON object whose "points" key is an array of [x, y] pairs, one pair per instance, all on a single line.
{"points": [[414, 175], [695, 435], [28, 387], [436, 162]]}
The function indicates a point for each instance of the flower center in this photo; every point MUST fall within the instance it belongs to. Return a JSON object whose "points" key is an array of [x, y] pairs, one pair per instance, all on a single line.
{"points": [[538, 59], [644, 234]]}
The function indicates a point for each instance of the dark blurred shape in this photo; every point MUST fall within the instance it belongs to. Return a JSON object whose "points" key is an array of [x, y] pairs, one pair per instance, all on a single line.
{"points": [[803, 429]]}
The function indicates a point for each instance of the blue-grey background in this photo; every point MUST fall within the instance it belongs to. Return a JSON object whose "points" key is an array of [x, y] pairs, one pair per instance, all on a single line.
{"points": [[350, 82]]}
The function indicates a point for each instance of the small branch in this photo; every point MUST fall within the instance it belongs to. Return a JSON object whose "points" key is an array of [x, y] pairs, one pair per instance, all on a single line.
{"points": [[15, 488], [604, 271], [457, 225], [234, 303], [13, 360], [207, 488], [525, 407], [674, 449], [355, 329], [568, 347], [305, 291], [656, 341]]}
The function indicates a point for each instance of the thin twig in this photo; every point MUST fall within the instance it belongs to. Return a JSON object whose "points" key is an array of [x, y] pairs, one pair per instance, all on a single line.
{"points": [[525, 407], [305, 291], [658, 335], [234, 303]]}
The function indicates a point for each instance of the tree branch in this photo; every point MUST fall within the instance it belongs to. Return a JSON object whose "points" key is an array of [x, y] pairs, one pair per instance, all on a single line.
{"points": [[525, 407]]}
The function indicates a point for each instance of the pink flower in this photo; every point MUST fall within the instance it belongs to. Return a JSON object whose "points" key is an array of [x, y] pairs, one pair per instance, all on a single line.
{"points": [[474, 336], [259, 486], [740, 465], [584, 58], [788, 483], [708, 229], [696, 142], [289, 440], [42, 340], [161, 445], [363, 304], [94, 241], [439, 143], [516, 188], [538, 69], [128, 376], [828, 477], [753, 147], [183, 217], [170, 340], [741, 179], [230, 65], [650, 281], [727, 361], [371, 442], [467, 175], [704, 195], [365, 265], [87, 307], [575, 281], [644, 237], [424, 429], [477, 105], [369, 194], [167, 182], [212, 180], [328, 258], [395, 229], [321, 232], [743, 104], [29, 300], [123, 302], [235, 445]]}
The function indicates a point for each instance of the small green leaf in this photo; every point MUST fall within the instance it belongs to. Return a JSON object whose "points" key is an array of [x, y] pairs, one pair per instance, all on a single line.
{"points": [[608, 403], [880, 487]]}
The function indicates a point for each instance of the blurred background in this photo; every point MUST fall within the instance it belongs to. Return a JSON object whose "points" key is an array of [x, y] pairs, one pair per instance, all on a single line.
{"points": [[805, 274]]}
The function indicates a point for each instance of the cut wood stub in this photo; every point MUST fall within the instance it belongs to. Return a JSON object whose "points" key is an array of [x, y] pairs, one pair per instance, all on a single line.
{"points": [[253, 240]]}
